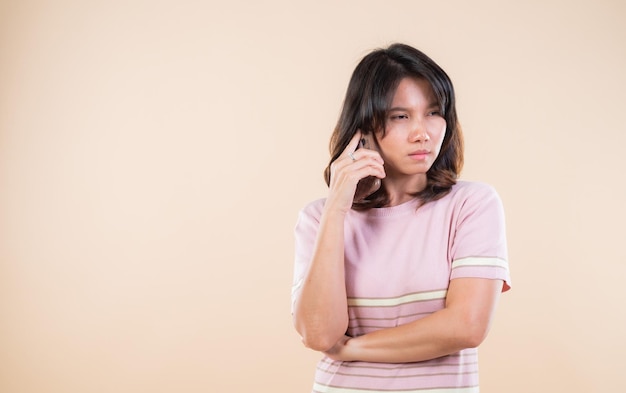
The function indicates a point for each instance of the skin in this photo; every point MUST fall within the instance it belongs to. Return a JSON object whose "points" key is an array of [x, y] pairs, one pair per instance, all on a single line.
{"points": [[414, 133]]}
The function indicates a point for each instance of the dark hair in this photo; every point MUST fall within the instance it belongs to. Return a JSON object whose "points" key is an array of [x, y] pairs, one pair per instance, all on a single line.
{"points": [[368, 98]]}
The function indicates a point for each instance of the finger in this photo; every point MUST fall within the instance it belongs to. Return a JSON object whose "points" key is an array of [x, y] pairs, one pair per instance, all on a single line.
{"points": [[354, 143], [376, 170], [366, 154], [368, 166]]}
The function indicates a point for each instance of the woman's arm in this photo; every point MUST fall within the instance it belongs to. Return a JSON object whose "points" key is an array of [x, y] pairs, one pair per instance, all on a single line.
{"points": [[463, 323], [321, 309]]}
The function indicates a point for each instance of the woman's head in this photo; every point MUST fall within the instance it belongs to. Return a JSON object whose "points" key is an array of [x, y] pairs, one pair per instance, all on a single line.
{"points": [[368, 99]]}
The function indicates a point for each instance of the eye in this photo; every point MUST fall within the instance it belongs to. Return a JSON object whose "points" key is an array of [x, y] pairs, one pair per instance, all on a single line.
{"points": [[434, 113], [399, 117]]}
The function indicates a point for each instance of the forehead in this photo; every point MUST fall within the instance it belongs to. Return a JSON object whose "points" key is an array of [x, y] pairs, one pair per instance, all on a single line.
{"points": [[414, 91]]}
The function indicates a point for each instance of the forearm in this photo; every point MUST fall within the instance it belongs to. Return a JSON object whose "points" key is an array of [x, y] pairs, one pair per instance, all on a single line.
{"points": [[431, 337], [462, 323], [321, 307], [321, 311]]}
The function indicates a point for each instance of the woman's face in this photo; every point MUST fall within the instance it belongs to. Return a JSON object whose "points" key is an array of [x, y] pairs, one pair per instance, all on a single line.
{"points": [[415, 129]]}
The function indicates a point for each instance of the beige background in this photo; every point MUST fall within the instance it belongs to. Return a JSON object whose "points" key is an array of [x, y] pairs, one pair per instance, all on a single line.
{"points": [[154, 155]]}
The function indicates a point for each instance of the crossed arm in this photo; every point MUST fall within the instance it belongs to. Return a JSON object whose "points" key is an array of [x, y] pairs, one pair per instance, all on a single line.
{"points": [[463, 323], [321, 312]]}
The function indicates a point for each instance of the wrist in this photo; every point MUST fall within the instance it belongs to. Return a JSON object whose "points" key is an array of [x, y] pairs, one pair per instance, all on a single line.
{"points": [[335, 209], [333, 215]]}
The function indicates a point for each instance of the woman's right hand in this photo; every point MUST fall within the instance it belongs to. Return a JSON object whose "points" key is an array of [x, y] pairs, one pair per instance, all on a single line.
{"points": [[321, 308], [345, 172]]}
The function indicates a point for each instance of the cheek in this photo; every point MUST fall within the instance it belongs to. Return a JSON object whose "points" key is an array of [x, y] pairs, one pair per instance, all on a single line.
{"points": [[439, 132], [389, 143], [437, 127], [440, 136], [442, 127]]}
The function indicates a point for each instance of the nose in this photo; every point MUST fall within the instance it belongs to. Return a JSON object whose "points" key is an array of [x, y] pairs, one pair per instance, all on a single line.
{"points": [[418, 132]]}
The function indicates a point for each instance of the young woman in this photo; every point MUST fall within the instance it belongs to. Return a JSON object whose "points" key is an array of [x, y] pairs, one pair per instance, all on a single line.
{"points": [[399, 269]]}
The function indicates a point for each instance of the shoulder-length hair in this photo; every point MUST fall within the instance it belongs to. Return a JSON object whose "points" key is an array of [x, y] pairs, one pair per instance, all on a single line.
{"points": [[366, 105]]}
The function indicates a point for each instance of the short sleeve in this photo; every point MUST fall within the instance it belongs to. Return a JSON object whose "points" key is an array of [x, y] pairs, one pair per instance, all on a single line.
{"points": [[478, 248], [305, 232]]}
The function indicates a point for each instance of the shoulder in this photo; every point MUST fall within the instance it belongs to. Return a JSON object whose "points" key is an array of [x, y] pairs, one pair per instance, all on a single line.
{"points": [[470, 188], [313, 210], [469, 195], [473, 191]]}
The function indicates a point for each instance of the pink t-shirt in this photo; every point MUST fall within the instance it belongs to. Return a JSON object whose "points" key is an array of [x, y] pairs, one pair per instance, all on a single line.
{"points": [[399, 261]]}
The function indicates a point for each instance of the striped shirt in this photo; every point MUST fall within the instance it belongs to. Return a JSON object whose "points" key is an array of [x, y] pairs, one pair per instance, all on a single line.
{"points": [[399, 262]]}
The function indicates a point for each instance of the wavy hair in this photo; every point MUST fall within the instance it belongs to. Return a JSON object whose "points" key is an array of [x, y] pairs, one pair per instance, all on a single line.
{"points": [[366, 105]]}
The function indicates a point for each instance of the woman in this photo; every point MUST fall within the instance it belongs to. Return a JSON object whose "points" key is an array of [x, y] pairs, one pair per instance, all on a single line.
{"points": [[397, 285]]}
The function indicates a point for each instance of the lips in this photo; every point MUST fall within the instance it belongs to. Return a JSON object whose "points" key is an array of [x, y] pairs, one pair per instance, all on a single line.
{"points": [[419, 154]]}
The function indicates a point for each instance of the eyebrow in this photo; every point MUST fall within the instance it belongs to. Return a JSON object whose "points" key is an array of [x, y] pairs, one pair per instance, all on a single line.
{"points": [[398, 109], [433, 104]]}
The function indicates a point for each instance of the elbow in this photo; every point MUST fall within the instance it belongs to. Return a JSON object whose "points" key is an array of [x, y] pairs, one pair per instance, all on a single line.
{"points": [[474, 338], [320, 343], [319, 338], [474, 332]]}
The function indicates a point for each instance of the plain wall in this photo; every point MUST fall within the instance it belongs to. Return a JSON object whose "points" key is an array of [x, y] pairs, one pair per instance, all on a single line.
{"points": [[154, 156]]}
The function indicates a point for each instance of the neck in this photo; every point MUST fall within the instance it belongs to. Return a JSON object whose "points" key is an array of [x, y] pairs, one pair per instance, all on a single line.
{"points": [[402, 190]]}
